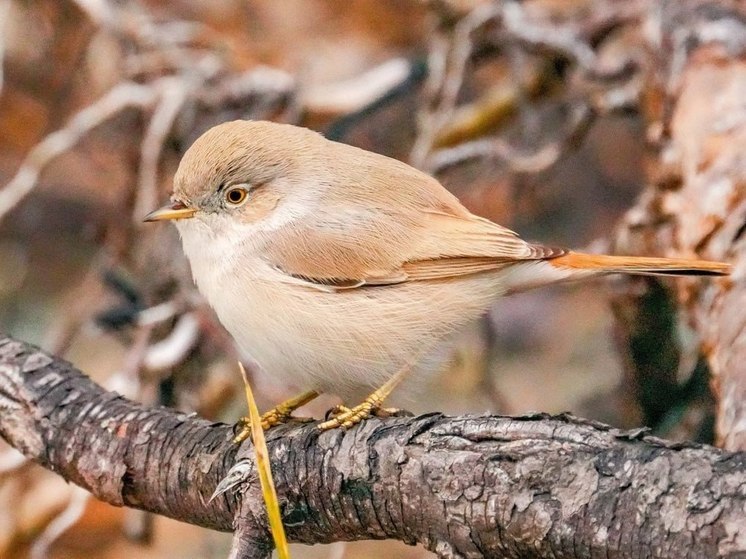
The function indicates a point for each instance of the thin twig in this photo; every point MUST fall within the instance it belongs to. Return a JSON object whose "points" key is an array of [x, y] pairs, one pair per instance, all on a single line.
{"points": [[447, 78], [119, 98], [61, 523], [353, 94], [553, 38], [179, 60], [175, 347], [497, 149], [260, 80], [463, 45], [519, 32], [130, 20], [158, 313], [173, 95], [133, 24]]}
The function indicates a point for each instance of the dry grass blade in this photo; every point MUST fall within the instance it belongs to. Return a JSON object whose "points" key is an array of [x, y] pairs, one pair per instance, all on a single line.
{"points": [[265, 473]]}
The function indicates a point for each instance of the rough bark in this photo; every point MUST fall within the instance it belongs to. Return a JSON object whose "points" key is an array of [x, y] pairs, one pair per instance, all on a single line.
{"points": [[530, 486], [696, 201]]}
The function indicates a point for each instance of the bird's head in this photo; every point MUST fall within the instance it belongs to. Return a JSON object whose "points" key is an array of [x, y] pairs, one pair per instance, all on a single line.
{"points": [[241, 176]]}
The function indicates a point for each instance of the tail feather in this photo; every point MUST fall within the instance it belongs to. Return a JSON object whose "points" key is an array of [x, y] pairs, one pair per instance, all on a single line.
{"points": [[648, 266]]}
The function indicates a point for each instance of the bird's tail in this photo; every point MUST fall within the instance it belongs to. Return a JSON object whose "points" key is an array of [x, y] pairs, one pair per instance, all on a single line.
{"points": [[639, 265]]}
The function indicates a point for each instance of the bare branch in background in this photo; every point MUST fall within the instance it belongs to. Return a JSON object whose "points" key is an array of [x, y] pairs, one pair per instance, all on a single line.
{"points": [[353, 94], [130, 21], [121, 97], [175, 347], [167, 94], [552, 38], [60, 524], [260, 81], [513, 28], [447, 64], [496, 149], [501, 150], [173, 95]]}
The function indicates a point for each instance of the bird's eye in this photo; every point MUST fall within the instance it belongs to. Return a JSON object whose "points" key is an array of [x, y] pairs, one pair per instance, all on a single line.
{"points": [[236, 196]]}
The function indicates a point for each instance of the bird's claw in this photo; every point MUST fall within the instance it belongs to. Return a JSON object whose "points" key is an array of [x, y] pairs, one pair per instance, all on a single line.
{"points": [[342, 417], [242, 427]]}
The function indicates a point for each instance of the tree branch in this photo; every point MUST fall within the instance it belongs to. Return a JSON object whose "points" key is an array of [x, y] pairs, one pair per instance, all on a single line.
{"points": [[531, 486]]}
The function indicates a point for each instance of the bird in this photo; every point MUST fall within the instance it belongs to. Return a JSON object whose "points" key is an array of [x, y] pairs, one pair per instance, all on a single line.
{"points": [[344, 271]]}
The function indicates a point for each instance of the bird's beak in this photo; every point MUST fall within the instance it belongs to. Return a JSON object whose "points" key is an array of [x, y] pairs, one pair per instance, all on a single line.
{"points": [[173, 210]]}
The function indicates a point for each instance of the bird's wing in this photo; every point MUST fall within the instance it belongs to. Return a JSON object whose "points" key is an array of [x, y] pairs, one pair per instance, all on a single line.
{"points": [[384, 249], [393, 224], [467, 244]]}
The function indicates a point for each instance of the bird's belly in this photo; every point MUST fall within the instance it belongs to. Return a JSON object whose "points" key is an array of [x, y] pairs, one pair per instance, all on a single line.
{"points": [[350, 342]]}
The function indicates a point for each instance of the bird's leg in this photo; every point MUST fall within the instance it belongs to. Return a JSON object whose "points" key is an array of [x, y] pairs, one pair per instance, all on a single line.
{"points": [[347, 417], [279, 414]]}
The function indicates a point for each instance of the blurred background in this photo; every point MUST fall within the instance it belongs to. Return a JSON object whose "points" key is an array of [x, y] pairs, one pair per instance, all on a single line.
{"points": [[532, 113]]}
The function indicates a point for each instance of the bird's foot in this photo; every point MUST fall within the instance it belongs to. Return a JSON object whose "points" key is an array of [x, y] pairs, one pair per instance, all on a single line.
{"points": [[282, 413], [343, 417]]}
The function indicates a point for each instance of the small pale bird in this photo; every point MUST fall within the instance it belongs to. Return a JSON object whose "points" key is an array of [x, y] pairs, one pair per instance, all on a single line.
{"points": [[341, 270]]}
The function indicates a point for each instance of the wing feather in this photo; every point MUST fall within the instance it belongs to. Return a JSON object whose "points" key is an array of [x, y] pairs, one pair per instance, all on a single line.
{"points": [[392, 224], [452, 246]]}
